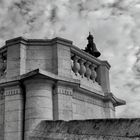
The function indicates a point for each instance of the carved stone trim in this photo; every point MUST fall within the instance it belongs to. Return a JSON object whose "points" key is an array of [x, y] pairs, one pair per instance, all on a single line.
{"points": [[91, 100], [88, 99], [65, 91], [11, 92]]}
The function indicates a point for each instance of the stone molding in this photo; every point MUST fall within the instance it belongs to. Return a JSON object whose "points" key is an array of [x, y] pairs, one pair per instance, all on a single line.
{"points": [[65, 91], [90, 100], [21, 40], [11, 92]]}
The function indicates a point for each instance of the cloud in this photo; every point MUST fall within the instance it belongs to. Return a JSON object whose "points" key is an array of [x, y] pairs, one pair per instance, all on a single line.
{"points": [[114, 23]]}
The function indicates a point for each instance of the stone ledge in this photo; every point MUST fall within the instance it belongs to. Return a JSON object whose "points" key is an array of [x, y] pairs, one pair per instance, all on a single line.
{"points": [[22, 40], [55, 78], [105, 129]]}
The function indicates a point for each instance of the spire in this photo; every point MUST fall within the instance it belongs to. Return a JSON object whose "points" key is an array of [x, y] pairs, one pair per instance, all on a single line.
{"points": [[91, 46]]}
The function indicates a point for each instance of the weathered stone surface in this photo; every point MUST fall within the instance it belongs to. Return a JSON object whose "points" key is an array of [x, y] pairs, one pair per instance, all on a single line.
{"points": [[1, 119], [62, 103], [38, 103], [100, 129], [13, 113], [50, 79]]}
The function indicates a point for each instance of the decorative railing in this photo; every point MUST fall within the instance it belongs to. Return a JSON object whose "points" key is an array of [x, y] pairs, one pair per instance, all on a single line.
{"points": [[83, 64]]}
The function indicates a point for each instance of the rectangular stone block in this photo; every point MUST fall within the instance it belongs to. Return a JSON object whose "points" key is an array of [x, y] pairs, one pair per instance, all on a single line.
{"points": [[45, 92], [12, 73], [78, 117], [65, 114], [87, 110], [13, 126], [39, 87], [45, 64], [13, 98], [13, 136], [16, 115], [13, 65], [39, 102], [22, 59], [40, 112], [13, 105], [39, 47], [39, 53]]}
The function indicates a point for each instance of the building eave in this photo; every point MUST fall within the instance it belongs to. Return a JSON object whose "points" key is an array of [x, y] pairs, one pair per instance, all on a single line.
{"points": [[34, 42], [116, 101], [61, 80]]}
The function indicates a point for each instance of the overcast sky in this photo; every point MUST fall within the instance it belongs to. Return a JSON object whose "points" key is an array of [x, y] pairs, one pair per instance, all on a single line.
{"points": [[115, 25]]}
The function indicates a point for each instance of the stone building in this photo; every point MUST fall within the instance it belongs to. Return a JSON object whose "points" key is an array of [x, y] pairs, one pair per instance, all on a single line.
{"points": [[50, 79]]}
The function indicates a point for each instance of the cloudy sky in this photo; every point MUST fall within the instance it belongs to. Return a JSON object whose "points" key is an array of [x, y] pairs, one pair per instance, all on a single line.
{"points": [[115, 25]]}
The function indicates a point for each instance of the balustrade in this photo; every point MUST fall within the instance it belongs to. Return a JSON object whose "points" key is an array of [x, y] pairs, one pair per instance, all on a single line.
{"points": [[83, 67]]}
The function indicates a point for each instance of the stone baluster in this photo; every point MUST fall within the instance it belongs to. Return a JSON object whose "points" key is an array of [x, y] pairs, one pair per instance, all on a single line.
{"points": [[93, 72], [88, 71], [72, 55], [76, 65], [82, 67]]}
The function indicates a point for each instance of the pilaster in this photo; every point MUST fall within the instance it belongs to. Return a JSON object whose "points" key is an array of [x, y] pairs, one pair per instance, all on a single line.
{"points": [[1, 114], [16, 59], [61, 57], [38, 104], [13, 113], [62, 103], [103, 76], [109, 110]]}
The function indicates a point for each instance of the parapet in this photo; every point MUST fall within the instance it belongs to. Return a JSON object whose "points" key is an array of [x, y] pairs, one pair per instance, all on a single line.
{"points": [[98, 129]]}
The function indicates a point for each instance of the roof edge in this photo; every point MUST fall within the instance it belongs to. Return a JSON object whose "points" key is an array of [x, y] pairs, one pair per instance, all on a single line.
{"points": [[116, 101], [25, 41]]}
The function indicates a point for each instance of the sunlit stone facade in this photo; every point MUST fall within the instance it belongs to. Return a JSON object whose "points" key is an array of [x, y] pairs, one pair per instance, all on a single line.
{"points": [[50, 79]]}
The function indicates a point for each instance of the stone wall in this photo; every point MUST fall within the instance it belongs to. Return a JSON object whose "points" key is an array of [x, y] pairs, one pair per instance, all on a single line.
{"points": [[1, 116], [39, 57], [38, 103], [71, 104], [13, 113], [100, 129], [87, 107]]}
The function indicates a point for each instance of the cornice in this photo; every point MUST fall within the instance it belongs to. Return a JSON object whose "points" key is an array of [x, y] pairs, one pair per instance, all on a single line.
{"points": [[34, 42], [116, 101], [60, 80], [105, 63], [11, 92]]}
